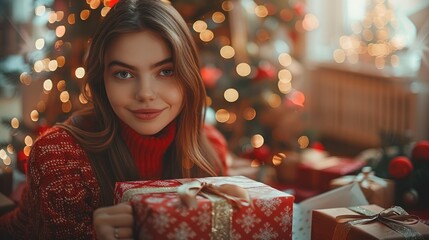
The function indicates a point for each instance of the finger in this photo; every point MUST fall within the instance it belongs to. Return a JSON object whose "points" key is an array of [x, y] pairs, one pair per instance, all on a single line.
{"points": [[122, 220], [123, 232], [120, 208]]}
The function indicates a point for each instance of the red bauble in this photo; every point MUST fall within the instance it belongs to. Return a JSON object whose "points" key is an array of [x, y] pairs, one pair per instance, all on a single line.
{"points": [[400, 167], [22, 161], [112, 3], [210, 75], [262, 153], [421, 151], [318, 146]]}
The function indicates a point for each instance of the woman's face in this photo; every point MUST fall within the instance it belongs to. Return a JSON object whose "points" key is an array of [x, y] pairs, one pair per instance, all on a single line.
{"points": [[140, 82]]}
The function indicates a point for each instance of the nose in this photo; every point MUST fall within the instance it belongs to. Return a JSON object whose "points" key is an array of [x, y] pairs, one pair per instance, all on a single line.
{"points": [[146, 89]]}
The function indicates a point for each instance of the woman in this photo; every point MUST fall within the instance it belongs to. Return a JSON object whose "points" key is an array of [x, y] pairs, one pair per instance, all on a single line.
{"points": [[145, 122]]}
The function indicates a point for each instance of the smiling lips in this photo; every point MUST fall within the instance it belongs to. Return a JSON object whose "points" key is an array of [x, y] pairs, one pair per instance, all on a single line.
{"points": [[147, 114]]}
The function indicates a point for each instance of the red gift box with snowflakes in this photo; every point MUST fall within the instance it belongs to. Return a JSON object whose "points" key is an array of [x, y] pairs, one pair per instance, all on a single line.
{"points": [[160, 213]]}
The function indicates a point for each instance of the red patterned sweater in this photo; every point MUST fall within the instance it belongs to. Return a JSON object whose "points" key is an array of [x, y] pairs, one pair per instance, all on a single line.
{"points": [[62, 191]]}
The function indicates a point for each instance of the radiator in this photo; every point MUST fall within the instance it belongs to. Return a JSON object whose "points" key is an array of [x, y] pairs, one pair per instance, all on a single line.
{"points": [[355, 107]]}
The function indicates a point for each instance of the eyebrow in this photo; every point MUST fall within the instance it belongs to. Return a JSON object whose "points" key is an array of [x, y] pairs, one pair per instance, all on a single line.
{"points": [[122, 64]]}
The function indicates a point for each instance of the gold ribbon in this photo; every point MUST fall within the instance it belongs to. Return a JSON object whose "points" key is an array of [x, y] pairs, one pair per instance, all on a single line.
{"points": [[395, 218], [234, 194]]}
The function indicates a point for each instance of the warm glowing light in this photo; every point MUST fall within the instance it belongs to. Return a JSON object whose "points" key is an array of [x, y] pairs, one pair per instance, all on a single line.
{"points": [[303, 142], [64, 96], [249, 113], [395, 60], [7, 161], [94, 4], [284, 87], [261, 11], [61, 60], [82, 99], [47, 85], [274, 100], [61, 85], [71, 19], [3, 154], [10, 149], [104, 11], [40, 43], [206, 35], [232, 118], [218, 17], [52, 17], [255, 163], [285, 59], [53, 65], [257, 141], [227, 6], [199, 26], [66, 107], [231, 95], [27, 150], [38, 66], [278, 158], [25, 78], [339, 56], [80, 72], [84, 14], [243, 69], [285, 75], [28, 141], [34, 115], [380, 62], [310, 22], [60, 15], [14, 123], [222, 115], [227, 52], [60, 31], [40, 10]]}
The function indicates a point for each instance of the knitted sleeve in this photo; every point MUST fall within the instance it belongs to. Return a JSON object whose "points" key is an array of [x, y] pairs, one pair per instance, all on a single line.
{"points": [[219, 143], [61, 194]]}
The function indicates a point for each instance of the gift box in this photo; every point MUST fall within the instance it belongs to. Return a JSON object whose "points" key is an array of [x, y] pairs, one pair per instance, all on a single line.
{"points": [[318, 175], [366, 222], [377, 190], [161, 212]]}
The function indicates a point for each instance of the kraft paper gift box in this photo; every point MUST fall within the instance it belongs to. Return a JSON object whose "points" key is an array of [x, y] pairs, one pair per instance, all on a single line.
{"points": [[366, 222], [160, 213], [318, 175], [377, 190]]}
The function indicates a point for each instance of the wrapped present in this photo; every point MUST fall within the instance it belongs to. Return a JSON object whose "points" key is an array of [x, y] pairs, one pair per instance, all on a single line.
{"points": [[366, 222], [287, 169], [318, 175], [171, 209], [377, 190]]}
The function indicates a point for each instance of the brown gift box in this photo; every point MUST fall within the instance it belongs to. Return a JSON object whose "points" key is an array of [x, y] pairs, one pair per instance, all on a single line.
{"points": [[324, 224], [377, 190]]}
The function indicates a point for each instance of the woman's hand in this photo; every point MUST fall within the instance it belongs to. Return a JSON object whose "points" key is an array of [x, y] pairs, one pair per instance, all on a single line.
{"points": [[115, 222]]}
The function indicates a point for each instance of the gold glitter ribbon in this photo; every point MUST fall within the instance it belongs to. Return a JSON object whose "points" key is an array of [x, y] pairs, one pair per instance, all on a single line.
{"points": [[395, 218]]}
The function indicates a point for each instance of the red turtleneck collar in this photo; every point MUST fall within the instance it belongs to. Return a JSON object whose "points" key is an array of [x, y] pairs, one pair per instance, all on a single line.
{"points": [[148, 150]]}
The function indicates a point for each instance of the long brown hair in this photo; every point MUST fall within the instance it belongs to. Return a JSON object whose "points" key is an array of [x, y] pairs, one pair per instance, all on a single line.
{"points": [[192, 151]]}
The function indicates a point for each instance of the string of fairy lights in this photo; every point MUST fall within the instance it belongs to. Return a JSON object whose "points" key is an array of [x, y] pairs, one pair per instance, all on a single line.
{"points": [[63, 21]]}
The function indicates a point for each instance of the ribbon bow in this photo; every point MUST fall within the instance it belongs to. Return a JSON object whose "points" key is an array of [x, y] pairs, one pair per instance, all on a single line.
{"points": [[395, 218], [236, 195]]}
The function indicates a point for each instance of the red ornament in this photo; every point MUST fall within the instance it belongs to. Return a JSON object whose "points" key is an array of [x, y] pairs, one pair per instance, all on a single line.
{"points": [[112, 3], [210, 75], [318, 146], [421, 151], [262, 153], [265, 71], [400, 167], [22, 161]]}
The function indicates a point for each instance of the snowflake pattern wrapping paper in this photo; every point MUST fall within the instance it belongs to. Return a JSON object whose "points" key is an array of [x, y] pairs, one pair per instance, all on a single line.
{"points": [[160, 214]]}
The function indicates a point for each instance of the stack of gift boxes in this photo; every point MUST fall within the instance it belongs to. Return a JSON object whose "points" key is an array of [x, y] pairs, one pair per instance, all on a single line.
{"points": [[263, 212]]}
